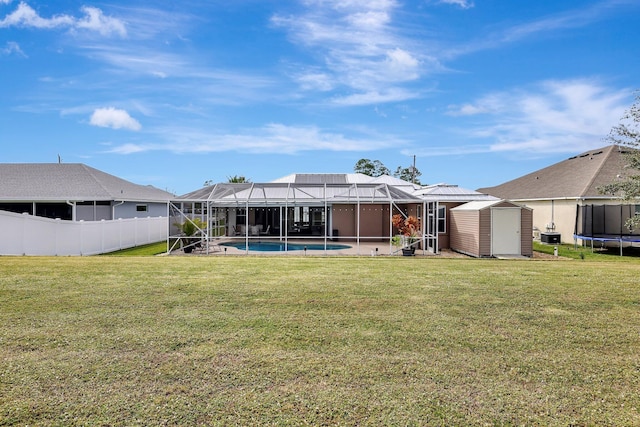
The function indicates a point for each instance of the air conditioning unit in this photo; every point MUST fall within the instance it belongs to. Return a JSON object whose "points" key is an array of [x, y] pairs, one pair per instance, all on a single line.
{"points": [[551, 238]]}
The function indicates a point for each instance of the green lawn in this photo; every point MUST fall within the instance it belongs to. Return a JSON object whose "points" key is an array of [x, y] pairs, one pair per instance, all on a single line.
{"points": [[318, 341]]}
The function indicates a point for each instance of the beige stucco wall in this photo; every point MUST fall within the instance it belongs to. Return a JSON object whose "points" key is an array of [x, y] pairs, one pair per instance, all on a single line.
{"points": [[344, 219], [562, 212], [374, 221]]}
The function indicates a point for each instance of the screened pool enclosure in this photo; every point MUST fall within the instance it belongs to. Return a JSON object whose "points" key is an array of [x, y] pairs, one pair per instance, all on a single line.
{"points": [[286, 212]]}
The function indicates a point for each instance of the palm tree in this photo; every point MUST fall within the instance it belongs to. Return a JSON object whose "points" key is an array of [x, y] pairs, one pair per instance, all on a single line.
{"points": [[238, 179]]}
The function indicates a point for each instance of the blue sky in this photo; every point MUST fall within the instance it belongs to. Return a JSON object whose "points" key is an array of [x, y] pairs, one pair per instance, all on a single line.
{"points": [[174, 94]]}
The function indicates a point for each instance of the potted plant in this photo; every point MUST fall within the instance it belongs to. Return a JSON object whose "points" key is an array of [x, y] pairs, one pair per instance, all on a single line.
{"points": [[409, 229], [189, 228]]}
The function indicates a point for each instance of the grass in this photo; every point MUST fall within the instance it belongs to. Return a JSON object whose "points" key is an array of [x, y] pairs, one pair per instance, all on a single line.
{"points": [[599, 253], [144, 250], [317, 341]]}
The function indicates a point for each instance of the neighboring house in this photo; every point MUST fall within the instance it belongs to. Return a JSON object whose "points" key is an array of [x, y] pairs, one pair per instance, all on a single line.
{"points": [[560, 193], [72, 209], [76, 192], [351, 207]]}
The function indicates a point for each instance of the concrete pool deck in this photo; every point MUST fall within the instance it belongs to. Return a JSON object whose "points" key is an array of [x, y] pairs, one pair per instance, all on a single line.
{"points": [[378, 248]]}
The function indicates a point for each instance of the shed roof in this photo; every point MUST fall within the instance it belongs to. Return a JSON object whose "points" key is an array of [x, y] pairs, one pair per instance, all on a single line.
{"points": [[484, 204], [576, 177], [70, 181]]}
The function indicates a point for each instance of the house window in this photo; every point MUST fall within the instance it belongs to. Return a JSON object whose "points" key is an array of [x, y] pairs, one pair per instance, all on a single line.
{"points": [[637, 210], [141, 208], [442, 220]]}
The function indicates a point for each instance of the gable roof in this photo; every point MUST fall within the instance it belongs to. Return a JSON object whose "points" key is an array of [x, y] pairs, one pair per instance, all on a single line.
{"points": [[577, 177], [70, 181]]}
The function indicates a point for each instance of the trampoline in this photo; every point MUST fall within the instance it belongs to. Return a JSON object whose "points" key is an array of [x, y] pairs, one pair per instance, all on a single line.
{"points": [[605, 223]]}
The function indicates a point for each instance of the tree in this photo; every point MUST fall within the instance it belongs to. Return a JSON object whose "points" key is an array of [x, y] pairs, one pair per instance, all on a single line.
{"points": [[377, 168], [371, 168], [238, 179], [627, 133], [410, 174]]}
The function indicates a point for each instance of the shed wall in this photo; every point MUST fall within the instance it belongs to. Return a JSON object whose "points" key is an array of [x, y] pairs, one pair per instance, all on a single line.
{"points": [[444, 239], [526, 244], [464, 236], [484, 232]]}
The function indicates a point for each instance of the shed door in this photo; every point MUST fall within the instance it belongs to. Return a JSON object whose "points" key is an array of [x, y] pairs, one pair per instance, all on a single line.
{"points": [[505, 231]]}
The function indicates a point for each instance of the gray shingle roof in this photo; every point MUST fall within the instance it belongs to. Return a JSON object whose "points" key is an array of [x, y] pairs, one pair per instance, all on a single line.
{"points": [[69, 181], [577, 177]]}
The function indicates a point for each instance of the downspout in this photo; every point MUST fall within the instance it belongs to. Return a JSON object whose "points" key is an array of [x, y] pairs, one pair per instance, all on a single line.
{"points": [[73, 209], [113, 209]]}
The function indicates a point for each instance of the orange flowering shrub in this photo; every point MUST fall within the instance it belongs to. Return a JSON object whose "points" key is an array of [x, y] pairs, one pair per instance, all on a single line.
{"points": [[409, 226]]}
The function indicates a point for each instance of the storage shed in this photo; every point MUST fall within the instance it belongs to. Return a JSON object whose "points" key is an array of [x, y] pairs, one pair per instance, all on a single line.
{"points": [[492, 228]]}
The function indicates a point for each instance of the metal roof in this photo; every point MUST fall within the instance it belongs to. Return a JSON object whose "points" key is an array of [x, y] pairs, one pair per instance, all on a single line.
{"points": [[283, 193], [450, 193], [70, 181]]}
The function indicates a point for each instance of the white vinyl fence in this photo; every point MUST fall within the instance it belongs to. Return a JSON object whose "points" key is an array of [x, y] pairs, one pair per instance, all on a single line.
{"points": [[24, 234]]}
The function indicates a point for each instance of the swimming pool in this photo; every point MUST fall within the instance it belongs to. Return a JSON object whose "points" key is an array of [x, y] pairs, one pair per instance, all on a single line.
{"points": [[280, 246]]}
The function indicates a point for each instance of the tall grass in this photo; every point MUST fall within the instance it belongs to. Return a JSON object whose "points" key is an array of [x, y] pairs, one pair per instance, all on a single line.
{"points": [[318, 341]]}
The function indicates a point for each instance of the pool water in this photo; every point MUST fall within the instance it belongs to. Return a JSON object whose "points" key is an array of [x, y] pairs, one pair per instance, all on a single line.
{"points": [[280, 246]]}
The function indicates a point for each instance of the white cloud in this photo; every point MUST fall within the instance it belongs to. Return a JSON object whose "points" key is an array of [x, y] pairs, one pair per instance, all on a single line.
{"points": [[465, 4], [315, 81], [25, 16], [94, 20], [271, 138], [11, 48], [375, 97], [114, 118], [553, 116], [548, 25], [358, 49]]}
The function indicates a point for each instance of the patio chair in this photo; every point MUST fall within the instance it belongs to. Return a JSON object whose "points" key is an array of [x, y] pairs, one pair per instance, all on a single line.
{"points": [[266, 232]]}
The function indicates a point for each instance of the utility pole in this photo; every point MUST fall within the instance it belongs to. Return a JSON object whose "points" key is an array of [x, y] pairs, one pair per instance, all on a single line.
{"points": [[413, 170]]}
